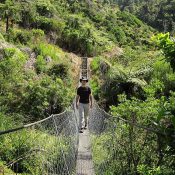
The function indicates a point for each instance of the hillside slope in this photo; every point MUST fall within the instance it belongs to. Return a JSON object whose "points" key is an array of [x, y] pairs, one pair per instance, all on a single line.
{"points": [[160, 14], [41, 35], [85, 27], [41, 42]]}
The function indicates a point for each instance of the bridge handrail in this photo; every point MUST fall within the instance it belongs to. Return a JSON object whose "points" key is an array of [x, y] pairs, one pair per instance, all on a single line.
{"points": [[31, 124], [111, 117]]}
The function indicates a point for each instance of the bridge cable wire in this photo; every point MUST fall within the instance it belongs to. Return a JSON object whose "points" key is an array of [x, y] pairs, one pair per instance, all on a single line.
{"points": [[49, 146], [52, 143]]}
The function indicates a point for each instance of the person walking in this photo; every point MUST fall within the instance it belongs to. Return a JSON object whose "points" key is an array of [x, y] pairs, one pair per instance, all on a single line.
{"points": [[83, 103]]}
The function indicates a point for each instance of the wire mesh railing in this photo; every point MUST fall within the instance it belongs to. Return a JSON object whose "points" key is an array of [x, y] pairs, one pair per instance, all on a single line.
{"points": [[119, 146], [122, 147], [47, 147]]}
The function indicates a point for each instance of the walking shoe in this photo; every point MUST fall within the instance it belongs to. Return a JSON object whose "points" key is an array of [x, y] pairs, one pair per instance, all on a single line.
{"points": [[80, 131], [85, 127]]}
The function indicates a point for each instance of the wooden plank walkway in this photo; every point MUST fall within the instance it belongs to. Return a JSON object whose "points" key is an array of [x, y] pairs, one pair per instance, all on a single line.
{"points": [[84, 160]]}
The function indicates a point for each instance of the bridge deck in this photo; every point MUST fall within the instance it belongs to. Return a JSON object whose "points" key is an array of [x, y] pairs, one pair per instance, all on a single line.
{"points": [[84, 160]]}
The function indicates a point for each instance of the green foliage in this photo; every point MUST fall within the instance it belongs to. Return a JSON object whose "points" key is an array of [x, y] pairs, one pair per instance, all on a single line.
{"points": [[80, 35], [168, 46], [28, 13], [11, 68], [145, 111], [133, 56], [145, 170], [95, 85], [7, 122], [45, 50], [144, 78], [128, 73], [131, 19], [1, 37], [95, 64], [44, 8], [19, 36], [128, 144], [34, 96], [119, 35], [78, 28], [100, 154], [25, 37], [121, 79], [45, 96], [10, 10], [143, 75], [49, 24], [172, 108], [11, 77], [59, 70], [40, 64], [27, 144], [4, 168], [157, 13]]}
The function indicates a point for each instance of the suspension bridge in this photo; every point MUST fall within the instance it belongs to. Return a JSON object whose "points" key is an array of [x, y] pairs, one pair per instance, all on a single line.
{"points": [[57, 147]]}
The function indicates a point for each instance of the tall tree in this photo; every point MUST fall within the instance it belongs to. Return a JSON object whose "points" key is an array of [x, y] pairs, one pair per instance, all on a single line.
{"points": [[28, 13], [10, 12]]}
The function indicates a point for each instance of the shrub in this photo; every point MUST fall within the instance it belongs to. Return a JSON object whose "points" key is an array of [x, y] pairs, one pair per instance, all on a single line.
{"points": [[12, 63], [1, 37], [122, 140], [30, 144], [119, 35], [95, 64], [45, 50], [25, 36], [40, 64], [44, 8], [11, 78], [130, 19], [95, 85], [45, 96], [145, 170], [165, 43], [4, 169], [59, 70], [37, 35], [50, 24], [81, 36]]}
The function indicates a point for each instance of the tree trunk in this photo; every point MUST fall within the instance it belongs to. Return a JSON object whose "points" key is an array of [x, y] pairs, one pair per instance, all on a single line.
{"points": [[159, 149], [7, 23]]}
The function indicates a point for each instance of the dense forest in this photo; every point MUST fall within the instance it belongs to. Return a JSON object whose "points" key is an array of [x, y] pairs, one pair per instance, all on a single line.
{"points": [[132, 69], [160, 14]]}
